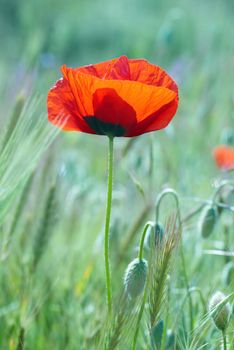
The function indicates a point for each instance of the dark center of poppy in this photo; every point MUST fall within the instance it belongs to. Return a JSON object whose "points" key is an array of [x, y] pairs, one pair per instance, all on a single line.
{"points": [[102, 128]]}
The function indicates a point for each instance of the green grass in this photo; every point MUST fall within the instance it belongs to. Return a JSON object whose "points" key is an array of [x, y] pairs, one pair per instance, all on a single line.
{"points": [[53, 184]]}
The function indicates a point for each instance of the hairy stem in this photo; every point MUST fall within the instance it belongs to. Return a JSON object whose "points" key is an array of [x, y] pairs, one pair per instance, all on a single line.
{"points": [[147, 225], [107, 226], [186, 280], [139, 319], [224, 340]]}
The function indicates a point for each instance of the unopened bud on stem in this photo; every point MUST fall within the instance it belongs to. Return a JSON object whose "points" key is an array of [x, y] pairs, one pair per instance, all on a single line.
{"points": [[208, 220], [135, 277], [220, 312]]}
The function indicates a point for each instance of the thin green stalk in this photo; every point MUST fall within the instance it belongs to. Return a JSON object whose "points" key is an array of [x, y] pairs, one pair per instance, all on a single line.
{"points": [[224, 340], [147, 225], [107, 225], [222, 185], [139, 319], [193, 213], [187, 286], [140, 256], [199, 292], [21, 338], [164, 193]]}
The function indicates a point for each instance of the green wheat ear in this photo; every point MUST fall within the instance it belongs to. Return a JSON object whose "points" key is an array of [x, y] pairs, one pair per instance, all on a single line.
{"points": [[45, 227], [159, 267], [208, 221], [23, 139], [13, 120]]}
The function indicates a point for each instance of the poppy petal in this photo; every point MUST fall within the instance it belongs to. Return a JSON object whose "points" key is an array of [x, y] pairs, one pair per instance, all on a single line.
{"points": [[117, 68], [147, 73], [144, 99], [224, 157], [110, 107], [62, 109], [139, 70], [81, 90], [157, 120]]}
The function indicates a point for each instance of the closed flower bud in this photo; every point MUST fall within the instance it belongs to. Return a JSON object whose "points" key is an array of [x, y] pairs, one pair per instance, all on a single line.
{"points": [[227, 137], [220, 313], [158, 234], [135, 277], [154, 236], [157, 334], [228, 273], [208, 220], [170, 340]]}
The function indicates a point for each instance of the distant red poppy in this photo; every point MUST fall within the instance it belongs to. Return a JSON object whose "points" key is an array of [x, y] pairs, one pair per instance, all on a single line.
{"points": [[120, 97], [224, 157]]}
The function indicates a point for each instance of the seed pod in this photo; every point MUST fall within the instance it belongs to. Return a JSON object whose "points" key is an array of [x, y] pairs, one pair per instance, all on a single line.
{"points": [[220, 314], [208, 220], [135, 277]]}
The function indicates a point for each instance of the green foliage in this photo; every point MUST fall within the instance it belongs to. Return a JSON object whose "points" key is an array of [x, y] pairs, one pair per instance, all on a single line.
{"points": [[46, 226], [159, 269]]}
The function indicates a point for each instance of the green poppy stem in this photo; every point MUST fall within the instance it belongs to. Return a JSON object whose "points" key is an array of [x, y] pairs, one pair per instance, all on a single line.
{"points": [[224, 340], [107, 225], [134, 344], [147, 225], [140, 256]]}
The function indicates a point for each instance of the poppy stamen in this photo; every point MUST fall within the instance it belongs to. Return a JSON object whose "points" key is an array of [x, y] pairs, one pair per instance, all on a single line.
{"points": [[103, 128]]}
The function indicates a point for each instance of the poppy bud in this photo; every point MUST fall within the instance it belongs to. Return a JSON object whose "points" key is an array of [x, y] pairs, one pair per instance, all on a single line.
{"points": [[208, 220], [154, 237], [135, 277], [228, 273], [220, 314], [227, 137], [157, 334], [170, 340], [158, 234]]}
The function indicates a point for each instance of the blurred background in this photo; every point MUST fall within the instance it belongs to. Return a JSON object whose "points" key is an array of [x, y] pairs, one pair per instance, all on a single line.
{"points": [[180, 35], [193, 41]]}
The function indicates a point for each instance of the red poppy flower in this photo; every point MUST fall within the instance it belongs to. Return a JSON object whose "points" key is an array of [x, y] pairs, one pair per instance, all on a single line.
{"points": [[224, 157], [120, 97]]}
